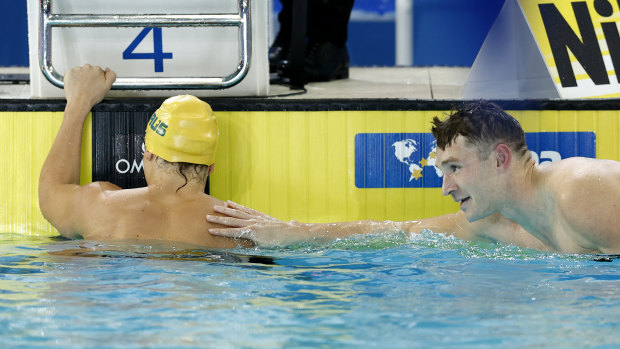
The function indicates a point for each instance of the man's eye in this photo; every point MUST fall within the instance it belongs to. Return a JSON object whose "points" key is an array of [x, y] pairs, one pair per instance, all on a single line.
{"points": [[454, 168]]}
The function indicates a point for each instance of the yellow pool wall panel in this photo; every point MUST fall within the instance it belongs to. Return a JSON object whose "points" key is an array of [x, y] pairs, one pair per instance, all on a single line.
{"points": [[292, 165], [27, 139]]}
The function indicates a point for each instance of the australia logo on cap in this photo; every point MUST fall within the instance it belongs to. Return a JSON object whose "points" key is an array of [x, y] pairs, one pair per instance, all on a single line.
{"points": [[157, 125]]}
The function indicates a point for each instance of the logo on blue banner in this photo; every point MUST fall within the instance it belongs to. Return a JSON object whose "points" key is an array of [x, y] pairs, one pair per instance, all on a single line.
{"points": [[407, 160]]}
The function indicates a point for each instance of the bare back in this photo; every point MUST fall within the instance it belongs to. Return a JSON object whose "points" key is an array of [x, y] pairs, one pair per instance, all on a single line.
{"points": [[108, 213]]}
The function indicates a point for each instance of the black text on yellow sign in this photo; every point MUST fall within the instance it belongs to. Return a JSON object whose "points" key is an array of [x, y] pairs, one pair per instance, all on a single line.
{"points": [[586, 50]]}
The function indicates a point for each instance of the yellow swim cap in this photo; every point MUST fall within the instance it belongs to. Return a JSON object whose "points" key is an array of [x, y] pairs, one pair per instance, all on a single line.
{"points": [[183, 129]]}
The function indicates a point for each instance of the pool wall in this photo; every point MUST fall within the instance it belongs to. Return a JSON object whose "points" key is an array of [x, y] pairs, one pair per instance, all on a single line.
{"points": [[306, 160]]}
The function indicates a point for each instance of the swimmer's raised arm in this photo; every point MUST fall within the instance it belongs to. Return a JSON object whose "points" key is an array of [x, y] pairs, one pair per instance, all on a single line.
{"points": [[264, 230], [60, 175]]}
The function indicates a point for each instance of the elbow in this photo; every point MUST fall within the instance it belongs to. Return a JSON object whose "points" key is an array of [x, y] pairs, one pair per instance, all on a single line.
{"points": [[48, 198], [54, 209], [43, 193], [44, 201], [54, 215], [49, 209]]}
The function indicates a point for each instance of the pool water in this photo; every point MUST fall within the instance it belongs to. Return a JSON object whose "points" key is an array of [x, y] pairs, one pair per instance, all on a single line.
{"points": [[380, 291]]}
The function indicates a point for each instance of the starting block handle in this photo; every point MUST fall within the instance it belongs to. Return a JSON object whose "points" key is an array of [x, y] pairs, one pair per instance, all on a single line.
{"points": [[241, 19]]}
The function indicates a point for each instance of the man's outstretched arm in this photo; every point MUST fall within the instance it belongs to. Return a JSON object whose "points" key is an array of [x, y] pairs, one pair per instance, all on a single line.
{"points": [[60, 175], [264, 230]]}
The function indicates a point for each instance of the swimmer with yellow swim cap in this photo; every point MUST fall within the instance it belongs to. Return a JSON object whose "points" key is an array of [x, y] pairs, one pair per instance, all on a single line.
{"points": [[183, 129], [183, 133], [180, 150]]}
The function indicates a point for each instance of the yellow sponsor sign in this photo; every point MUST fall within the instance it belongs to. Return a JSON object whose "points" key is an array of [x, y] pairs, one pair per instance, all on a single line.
{"points": [[580, 43]]}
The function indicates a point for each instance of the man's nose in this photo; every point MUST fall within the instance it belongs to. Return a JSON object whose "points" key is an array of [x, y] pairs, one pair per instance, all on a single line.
{"points": [[447, 185]]}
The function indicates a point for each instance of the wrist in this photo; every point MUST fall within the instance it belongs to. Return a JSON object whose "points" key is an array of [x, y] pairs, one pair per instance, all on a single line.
{"points": [[77, 110]]}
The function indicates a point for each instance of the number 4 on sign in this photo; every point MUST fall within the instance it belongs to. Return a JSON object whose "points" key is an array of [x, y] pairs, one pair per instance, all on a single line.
{"points": [[157, 56]]}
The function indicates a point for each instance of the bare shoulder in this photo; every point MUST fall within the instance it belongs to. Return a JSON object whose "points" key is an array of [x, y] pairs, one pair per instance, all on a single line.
{"points": [[583, 180], [213, 201], [99, 192], [191, 215], [588, 199], [583, 177], [94, 206], [101, 187], [586, 168]]}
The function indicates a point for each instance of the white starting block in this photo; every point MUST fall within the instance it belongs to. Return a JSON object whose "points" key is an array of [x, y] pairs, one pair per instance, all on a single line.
{"points": [[205, 48]]}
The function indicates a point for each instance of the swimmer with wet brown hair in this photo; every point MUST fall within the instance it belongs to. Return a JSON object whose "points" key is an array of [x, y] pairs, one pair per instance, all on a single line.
{"points": [[569, 206]]}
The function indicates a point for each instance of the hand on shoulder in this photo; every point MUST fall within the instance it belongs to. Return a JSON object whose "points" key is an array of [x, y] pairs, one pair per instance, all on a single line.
{"points": [[260, 228]]}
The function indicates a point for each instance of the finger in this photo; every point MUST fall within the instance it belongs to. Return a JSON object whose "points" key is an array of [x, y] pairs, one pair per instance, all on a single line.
{"points": [[237, 206], [228, 221], [245, 209], [71, 72], [231, 212], [232, 233], [93, 69], [110, 76]]}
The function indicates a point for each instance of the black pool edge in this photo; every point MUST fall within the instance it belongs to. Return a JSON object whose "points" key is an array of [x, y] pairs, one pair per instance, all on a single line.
{"points": [[269, 104]]}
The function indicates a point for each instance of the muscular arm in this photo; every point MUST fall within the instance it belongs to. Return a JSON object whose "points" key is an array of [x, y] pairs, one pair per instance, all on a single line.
{"points": [[59, 182], [268, 231]]}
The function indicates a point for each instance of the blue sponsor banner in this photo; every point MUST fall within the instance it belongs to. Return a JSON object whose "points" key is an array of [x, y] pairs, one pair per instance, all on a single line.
{"points": [[407, 160]]}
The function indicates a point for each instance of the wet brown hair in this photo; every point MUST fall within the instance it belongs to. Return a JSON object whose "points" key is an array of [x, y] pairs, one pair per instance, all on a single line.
{"points": [[187, 170], [484, 124]]}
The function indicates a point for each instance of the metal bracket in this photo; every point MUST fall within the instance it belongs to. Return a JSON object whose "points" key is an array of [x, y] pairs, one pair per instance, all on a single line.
{"points": [[240, 19]]}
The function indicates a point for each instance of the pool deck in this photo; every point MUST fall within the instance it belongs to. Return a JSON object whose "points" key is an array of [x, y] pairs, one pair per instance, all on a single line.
{"points": [[426, 83]]}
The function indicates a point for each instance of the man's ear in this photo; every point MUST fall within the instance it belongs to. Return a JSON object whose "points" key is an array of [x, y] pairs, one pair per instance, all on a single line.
{"points": [[148, 155], [503, 155], [211, 167]]}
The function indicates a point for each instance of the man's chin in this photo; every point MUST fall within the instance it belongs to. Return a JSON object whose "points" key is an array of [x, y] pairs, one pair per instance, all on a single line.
{"points": [[472, 217], [476, 216]]}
